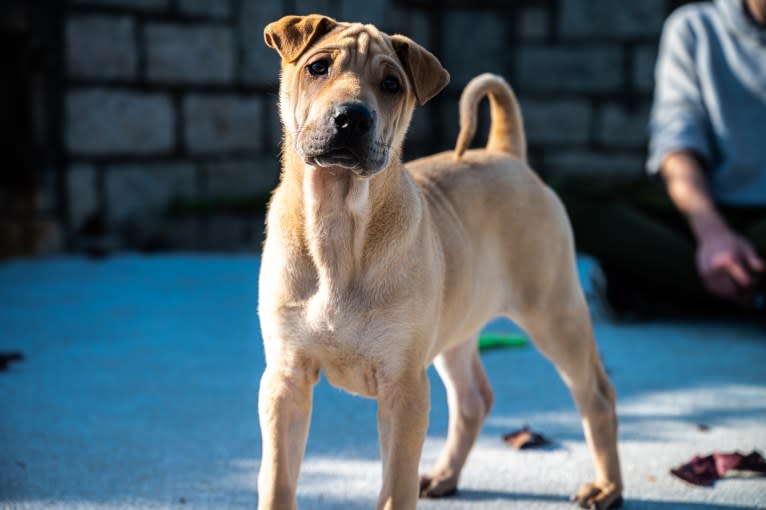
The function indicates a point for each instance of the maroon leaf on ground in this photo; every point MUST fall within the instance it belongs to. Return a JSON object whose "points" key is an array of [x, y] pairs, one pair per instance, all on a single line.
{"points": [[698, 471], [525, 438], [704, 471]]}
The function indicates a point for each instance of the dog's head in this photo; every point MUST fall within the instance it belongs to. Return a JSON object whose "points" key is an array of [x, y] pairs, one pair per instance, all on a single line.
{"points": [[347, 90]]}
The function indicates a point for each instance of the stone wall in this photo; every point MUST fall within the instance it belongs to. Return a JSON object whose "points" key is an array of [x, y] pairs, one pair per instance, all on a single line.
{"points": [[170, 126]]}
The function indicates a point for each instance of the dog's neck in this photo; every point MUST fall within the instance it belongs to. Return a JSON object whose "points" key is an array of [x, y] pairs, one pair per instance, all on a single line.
{"points": [[338, 210], [337, 215]]}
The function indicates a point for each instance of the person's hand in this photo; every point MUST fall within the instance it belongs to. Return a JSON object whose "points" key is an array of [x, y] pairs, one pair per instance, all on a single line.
{"points": [[729, 265]]}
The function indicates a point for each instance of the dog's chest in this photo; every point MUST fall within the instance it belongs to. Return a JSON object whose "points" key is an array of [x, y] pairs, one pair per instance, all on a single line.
{"points": [[351, 345]]}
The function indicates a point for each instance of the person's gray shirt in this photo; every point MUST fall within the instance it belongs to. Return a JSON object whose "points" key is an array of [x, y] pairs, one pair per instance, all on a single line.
{"points": [[710, 98]]}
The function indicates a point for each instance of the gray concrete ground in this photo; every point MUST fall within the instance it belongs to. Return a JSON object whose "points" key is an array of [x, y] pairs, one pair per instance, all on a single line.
{"points": [[139, 391]]}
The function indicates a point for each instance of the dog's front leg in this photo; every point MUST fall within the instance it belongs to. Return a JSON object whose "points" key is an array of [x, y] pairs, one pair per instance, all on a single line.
{"points": [[284, 408], [403, 407]]}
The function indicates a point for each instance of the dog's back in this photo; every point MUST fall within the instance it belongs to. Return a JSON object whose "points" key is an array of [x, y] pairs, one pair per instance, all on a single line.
{"points": [[497, 176]]}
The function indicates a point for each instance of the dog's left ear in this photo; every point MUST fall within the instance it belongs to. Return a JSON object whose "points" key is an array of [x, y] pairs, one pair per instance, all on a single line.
{"points": [[423, 68], [292, 35]]}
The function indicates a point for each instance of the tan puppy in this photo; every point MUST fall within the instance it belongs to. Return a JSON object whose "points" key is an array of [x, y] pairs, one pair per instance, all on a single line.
{"points": [[372, 270]]}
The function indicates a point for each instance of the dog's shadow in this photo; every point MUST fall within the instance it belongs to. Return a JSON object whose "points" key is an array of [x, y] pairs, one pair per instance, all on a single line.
{"points": [[473, 495], [492, 495]]}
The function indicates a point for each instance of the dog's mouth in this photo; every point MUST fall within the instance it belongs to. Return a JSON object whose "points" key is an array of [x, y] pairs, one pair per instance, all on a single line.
{"points": [[348, 158], [339, 156]]}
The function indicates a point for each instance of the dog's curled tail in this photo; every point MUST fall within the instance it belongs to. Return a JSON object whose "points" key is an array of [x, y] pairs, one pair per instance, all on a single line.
{"points": [[506, 132]]}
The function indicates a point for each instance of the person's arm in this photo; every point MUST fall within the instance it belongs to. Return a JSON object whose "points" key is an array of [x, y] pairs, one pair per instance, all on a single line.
{"points": [[726, 261], [680, 144], [688, 188]]}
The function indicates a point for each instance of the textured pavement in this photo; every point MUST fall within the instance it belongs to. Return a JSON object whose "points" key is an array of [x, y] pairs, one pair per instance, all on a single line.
{"points": [[139, 391]]}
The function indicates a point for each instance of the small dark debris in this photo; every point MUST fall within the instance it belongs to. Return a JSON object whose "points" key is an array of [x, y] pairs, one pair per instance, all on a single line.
{"points": [[182, 500], [524, 438], [703, 427], [6, 358], [704, 471], [698, 471]]}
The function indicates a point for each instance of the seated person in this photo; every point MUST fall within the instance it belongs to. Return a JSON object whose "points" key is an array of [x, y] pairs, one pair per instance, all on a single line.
{"points": [[701, 243]]}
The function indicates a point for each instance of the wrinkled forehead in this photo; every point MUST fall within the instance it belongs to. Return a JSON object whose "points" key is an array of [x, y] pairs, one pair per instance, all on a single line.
{"points": [[355, 43]]}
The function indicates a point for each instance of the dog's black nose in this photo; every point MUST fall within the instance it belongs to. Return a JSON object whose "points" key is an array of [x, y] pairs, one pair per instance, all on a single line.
{"points": [[353, 118]]}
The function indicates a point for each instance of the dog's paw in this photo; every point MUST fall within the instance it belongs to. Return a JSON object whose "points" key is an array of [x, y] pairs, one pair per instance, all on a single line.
{"points": [[595, 496], [434, 486]]}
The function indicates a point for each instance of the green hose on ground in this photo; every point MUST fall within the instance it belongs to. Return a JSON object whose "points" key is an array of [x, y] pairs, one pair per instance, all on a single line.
{"points": [[493, 340]]}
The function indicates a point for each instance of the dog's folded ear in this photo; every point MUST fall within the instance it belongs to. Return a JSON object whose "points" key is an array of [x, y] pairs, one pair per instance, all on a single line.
{"points": [[292, 35], [423, 68]]}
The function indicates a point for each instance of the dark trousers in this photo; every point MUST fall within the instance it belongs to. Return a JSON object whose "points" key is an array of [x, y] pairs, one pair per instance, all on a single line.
{"points": [[644, 244]]}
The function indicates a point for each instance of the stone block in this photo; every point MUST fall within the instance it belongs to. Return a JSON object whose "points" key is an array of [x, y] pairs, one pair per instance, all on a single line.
{"points": [[619, 127], [260, 64], [368, 11], [579, 69], [46, 196], [420, 129], [104, 122], [240, 177], [422, 138], [167, 233], [222, 123], [27, 237], [644, 59], [466, 57], [82, 191], [533, 24], [100, 47], [189, 54], [598, 19], [274, 125], [448, 118], [556, 121], [450, 124], [137, 193], [206, 8], [414, 24], [138, 5], [180, 233], [622, 167], [49, 236], [233, 233], [326, 7]]}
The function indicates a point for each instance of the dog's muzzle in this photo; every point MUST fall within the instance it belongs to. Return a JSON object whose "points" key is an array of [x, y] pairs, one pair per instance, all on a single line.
{"points": [[350, 141]]}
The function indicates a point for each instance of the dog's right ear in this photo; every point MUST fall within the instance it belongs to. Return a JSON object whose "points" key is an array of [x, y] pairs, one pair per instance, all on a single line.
{"points": [[292, 35]]}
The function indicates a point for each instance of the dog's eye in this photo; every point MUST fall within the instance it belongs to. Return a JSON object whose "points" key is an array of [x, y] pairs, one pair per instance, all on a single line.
{"points": [[390, 85], [319, 68]]}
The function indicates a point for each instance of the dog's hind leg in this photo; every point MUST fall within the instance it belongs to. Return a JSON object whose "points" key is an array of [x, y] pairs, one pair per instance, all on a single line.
{"points": [[560, 328], [470, 398]]}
